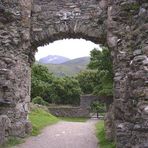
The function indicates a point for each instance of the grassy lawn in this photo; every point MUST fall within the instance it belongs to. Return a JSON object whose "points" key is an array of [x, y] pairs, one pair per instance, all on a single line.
{"points": [[69, 119], [103, 142], [39, 119]]}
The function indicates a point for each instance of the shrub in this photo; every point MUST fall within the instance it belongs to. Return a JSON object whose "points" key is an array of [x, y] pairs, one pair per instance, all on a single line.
{"points": [[39, 100]]}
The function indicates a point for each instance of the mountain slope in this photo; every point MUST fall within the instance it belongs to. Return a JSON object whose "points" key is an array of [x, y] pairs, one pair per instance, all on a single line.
{"points": [[82, 61], [69, 68], [53, 59]]}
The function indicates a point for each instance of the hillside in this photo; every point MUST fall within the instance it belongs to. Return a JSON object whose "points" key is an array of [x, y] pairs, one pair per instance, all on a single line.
{"points": [[53, 59], [77, 61], [69, 68]]}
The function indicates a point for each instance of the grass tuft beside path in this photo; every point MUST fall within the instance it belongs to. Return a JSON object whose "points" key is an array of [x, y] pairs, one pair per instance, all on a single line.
{"points": [[12, 141], [39, 119], [70, 119], [103, 142]]}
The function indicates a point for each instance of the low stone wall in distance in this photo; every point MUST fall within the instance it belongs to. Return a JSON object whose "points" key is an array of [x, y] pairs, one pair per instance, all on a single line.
{"points": [[83, 110], [68, 111]]}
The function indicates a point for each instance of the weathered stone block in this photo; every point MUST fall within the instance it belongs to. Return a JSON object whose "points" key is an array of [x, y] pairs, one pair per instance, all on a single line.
{"points": [[5, 124], [109, 124], [17, 129]]}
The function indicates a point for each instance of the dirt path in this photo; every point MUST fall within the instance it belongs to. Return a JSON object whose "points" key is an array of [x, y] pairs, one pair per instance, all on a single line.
{"points": [[65, 135]]}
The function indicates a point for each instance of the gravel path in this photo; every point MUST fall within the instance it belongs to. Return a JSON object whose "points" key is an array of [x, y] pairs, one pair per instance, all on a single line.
{"points": [[65, 135]]}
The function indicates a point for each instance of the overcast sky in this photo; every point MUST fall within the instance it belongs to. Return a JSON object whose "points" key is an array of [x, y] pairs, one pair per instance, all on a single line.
{"points": [[70, 48]]}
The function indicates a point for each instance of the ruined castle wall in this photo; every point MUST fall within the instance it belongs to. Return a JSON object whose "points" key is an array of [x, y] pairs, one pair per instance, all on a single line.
{"points": [[14, 67], [53, 20], [128, 39], [25, 25]]}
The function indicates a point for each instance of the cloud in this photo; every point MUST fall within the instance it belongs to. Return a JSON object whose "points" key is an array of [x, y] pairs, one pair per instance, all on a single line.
{"points": [[70, 48]]}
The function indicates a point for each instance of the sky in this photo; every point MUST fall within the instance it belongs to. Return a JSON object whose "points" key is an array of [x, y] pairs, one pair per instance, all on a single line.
{"points": [[70, 48]]}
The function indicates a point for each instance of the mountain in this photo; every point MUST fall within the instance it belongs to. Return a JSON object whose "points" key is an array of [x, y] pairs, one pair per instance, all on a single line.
{"points": [[53, 59], [82, 61], [69, 68]]}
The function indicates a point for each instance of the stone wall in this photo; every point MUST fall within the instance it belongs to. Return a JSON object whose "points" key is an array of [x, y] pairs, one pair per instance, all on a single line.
{"points": [[128, 39], [120, 24], [15, 60], [69, 111], [109, 123], [54, 19], [83, 110]]}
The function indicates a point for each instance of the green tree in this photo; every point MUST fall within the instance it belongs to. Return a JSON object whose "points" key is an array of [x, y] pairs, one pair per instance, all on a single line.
{"points": [[41, 73], [88, 80], [53, 89], [73, 90], [102, 62], [66, 91], [58, 91], [41, 81]]}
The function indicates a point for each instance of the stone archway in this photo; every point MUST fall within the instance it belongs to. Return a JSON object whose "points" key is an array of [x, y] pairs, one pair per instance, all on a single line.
{"points": [[122, 25], [54, 20]]}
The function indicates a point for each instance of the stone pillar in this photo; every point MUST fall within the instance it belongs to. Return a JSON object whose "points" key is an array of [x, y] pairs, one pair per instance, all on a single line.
{"points": [[4, 127], [128, 39], [14, 67], [109, 123]]}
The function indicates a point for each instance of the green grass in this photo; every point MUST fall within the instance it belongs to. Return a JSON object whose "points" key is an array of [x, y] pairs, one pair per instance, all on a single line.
{"points": [[103, 142], [73, 119], [12, 142], [39, 119]]}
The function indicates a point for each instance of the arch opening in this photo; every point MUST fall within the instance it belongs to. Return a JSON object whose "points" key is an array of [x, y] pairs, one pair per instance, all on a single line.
{"points": [[73, 49], [68, 47]]}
